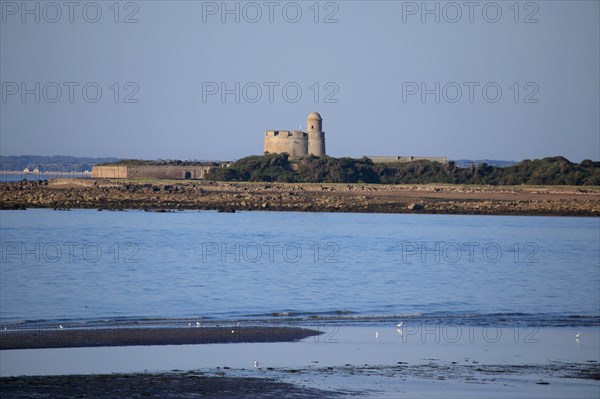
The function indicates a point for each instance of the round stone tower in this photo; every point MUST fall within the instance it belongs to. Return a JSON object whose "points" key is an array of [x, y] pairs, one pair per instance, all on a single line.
{"points": [[316, 137]]}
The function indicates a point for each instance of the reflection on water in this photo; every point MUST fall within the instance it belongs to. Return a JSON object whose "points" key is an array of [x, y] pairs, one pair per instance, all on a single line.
{"points": [[18, 176]]}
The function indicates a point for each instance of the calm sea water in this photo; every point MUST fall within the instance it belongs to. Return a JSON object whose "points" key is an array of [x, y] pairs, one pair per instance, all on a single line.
{"points": [[86, 266], [12, 177]]}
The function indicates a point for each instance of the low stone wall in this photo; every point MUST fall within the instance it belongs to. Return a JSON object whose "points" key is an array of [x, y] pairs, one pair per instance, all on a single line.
{"points": [[151, 172], [167, 172], [109, 172]]}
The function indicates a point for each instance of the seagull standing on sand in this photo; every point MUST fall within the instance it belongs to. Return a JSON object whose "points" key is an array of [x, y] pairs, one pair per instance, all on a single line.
{"points": [[399, 328]]}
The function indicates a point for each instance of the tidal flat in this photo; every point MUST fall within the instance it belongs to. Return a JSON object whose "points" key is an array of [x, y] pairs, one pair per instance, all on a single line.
{"points": [[157, 195], [353, 362]]}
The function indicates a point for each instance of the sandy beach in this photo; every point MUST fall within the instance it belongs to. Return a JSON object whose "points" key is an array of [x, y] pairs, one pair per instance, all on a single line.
{"points": [[230, 197], [99, 337]]}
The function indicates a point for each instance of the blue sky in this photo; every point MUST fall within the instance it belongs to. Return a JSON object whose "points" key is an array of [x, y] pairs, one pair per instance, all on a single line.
{"points": [[484, 80]]}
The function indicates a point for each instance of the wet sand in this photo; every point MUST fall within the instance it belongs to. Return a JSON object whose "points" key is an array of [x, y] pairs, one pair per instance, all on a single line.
{"points": [[435, 379], [452, 361], [172, 385], [97, 337], [307, 197]]}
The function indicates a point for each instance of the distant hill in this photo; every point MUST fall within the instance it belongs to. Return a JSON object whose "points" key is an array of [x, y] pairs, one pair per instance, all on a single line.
{"points": [[56, 163], [465, 163]]}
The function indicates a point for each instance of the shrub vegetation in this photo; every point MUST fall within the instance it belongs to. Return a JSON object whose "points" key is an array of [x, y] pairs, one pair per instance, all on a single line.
{"points": [[279, 168]]}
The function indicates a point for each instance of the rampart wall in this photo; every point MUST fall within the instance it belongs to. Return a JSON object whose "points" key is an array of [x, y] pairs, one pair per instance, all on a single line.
{"points": [[150, 172]]}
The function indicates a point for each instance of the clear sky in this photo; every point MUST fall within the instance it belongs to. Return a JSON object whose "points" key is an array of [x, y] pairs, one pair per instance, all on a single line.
{"points": [[493, 80]]}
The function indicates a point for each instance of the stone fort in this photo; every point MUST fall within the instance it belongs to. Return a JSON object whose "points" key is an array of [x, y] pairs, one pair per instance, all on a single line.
{"points": [[296, 142]]}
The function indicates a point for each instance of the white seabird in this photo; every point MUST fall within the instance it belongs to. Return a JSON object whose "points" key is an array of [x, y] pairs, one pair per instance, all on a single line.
{"points": [[399, 325], [577, 336]]}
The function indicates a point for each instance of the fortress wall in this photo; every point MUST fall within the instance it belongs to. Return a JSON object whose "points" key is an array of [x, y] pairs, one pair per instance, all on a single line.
{"points": [[393, 159], [156, 172], [167, 172], [295, 143], [150, 172], [199, 172], [432, 159], [109, 172]]}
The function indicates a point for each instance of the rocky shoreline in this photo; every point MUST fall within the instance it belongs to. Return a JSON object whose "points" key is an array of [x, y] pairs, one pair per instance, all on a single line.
{"points": [[67, 194]]}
